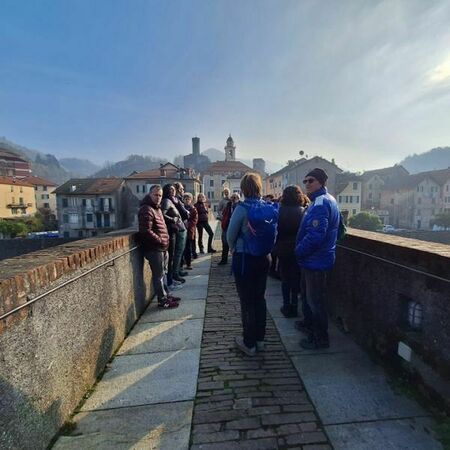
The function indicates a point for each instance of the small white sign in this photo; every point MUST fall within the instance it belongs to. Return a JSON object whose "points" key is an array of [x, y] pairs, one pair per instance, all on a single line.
{"points": [[404, 351]]}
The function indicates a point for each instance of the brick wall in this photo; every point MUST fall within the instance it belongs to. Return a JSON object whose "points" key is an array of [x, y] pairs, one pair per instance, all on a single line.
{"points": [[372, 296], [9, 248], [52, 351]]}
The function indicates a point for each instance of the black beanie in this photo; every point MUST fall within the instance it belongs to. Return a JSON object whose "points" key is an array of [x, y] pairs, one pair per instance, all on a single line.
{"points": [[319, 174]]}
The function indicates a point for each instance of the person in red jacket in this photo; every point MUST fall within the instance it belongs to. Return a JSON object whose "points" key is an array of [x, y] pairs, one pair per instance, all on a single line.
{"points": [[154, 239]]}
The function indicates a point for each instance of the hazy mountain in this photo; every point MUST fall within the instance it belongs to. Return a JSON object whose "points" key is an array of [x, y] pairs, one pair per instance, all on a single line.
{"points": [[42, 165], [434, 159], [217, 155], [214, 155], [133, 163], [79, 168]]}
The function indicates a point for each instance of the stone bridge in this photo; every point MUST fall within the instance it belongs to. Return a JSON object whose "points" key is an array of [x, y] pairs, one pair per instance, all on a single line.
{"points": [[87, 361]]}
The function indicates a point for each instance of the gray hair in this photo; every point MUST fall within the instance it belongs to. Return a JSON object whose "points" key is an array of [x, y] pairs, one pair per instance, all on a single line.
{"points": [[155, 187]]}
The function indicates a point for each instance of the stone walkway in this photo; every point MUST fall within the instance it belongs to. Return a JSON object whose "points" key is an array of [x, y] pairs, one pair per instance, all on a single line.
{"points": [[247, 402], [177, 382], [146, 395]]}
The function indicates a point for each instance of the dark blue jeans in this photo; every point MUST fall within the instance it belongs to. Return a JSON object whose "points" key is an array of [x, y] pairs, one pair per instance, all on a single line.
{"points": [[290, 281], [314, 306], [250, 275]]}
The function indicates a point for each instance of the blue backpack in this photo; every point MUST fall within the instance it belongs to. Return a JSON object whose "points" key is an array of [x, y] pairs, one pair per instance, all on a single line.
{"points": [[262, 220]]}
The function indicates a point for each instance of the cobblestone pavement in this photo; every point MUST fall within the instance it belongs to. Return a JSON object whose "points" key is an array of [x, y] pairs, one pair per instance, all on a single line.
{"points": [[247, 402]]}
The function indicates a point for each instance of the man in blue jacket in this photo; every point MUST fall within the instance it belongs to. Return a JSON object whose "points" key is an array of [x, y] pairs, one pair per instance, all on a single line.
{"points": [[315, 251]]}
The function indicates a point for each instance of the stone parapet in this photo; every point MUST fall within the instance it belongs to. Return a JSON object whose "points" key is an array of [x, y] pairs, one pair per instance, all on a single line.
{"points": [[381, 284], [53, 350]]}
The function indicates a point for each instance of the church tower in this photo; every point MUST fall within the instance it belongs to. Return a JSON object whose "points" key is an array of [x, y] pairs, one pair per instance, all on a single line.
{"points": [[230, 150]]}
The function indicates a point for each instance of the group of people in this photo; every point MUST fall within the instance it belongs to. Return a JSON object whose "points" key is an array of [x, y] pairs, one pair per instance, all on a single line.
{"points": [[301, 230], [168, 225]]}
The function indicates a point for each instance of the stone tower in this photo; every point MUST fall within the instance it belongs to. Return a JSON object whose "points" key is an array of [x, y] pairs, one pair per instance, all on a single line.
{"points": [[230, 150]]}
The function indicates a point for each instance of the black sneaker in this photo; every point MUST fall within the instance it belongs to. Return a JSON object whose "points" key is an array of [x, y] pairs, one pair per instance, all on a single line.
{"points": [[222, 263], [301, 326], [312, 344], [179, 279], [211, 250]]}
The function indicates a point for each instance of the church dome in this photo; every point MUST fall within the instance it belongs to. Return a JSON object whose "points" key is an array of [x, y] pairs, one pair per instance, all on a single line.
{"points": [[230, 140]]}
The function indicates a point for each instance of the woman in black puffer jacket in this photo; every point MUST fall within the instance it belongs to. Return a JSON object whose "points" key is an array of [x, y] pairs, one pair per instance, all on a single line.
{"points": [[202, 224], [292, 207]]}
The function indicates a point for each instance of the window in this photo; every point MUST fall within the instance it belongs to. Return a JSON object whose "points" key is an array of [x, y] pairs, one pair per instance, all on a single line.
{"points": [[106, 220], [209, 194], [73, 218], [355, 186], [354, 211], [12, 188], [83, 202], [211, 183], [392, 201], [65, 218], [89, 218], [65, 203], [370, 195], [350, 197], [137, 188], [47, 205], [340, 199], [20, 189], [346, 199], [80, 233], [21, 200], [421, 188], [73, 201], [215, 208], [42, 196], [14, 210], [357, 199], [44, 188], [212, 195], [66, 234], [143, 188]]}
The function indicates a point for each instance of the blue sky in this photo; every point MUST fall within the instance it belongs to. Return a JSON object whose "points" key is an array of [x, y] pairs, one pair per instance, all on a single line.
{"points": [[364, 82]]}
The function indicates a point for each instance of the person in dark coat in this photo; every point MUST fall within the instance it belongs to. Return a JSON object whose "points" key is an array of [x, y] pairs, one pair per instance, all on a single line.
{"points": [[177, 234], [225, 218], [191, 225], [292, 207], [203, 215], [154, 239]]}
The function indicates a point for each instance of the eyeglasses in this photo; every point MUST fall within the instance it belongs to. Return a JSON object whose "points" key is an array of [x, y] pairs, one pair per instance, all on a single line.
{"points": [[309, 180]]}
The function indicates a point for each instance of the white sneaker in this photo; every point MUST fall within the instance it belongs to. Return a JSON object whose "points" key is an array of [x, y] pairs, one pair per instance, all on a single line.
{"points": [[243, 348]]}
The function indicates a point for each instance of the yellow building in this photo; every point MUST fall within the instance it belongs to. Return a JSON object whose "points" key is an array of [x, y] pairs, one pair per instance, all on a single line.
{"points": [[16, 198]]}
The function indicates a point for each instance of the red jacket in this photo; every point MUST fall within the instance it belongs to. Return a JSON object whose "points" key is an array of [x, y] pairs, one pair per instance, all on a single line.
{"points": [[192, 222], [153, 233]]}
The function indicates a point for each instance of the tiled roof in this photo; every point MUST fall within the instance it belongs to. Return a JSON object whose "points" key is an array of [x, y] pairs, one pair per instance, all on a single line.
{"points": [[299, 162], [7, 154], [410, 181], [38, 181], [89, 186], [343, 179], [392, 171], [227, 166], [14, 181]]}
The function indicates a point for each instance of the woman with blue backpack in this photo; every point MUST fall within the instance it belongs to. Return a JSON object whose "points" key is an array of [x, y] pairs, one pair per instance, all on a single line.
{"points": [[251, 237]]}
